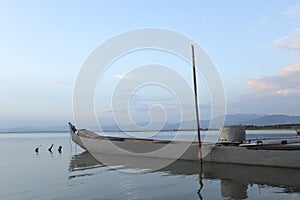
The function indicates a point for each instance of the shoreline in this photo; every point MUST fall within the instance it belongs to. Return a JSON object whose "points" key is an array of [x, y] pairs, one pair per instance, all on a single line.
{"points": [[247, 127]]}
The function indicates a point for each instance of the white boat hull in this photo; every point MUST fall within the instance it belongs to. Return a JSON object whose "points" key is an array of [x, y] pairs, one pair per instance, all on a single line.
{"points": [[211, 153]]}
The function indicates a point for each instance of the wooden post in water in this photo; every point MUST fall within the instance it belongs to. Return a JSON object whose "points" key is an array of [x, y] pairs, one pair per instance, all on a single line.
{"points": [[196, 104]]}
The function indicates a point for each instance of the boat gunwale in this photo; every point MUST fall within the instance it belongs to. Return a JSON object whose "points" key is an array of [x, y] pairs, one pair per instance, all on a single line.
{"points": [[271, 146]]}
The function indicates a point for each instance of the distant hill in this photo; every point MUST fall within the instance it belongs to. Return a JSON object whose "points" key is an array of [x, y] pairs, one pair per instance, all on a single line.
{"points": [[32, 129], [237, 119], [234, 119], [259, 120], [242, 119], [273, 120]]}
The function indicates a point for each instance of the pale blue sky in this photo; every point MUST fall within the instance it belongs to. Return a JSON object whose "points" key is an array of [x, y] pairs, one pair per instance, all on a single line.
{"points": [[255, 45]]}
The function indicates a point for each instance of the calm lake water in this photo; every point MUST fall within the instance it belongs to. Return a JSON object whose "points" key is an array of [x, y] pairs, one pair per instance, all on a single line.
{"points": [[75, 174]]}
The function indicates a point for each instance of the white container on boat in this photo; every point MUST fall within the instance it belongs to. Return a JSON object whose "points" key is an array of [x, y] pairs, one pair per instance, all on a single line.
{"points": [[232, 134]]}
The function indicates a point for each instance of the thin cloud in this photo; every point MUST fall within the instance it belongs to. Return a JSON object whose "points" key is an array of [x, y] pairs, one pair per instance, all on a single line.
{"points": [[262, 24], [290, 42], [61, 83], [292, 11], [275, 94], [285, 83]]}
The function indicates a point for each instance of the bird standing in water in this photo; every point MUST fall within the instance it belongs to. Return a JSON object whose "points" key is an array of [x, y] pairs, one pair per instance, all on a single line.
{"points": [[59, 149], [37, 149], [50, 148]]}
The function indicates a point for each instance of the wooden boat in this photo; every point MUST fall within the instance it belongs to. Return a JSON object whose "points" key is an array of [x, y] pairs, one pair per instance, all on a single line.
{"points": [[232, 148]]}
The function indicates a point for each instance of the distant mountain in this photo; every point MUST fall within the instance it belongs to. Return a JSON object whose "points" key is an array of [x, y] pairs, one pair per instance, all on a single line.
{"points": [[237, 119], [242, 119], [142, 126], [33, 129], [233, 119], [114, 128], [273, 120], [259, 120]]}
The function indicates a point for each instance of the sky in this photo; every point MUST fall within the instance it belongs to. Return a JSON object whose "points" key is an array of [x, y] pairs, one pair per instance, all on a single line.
{"points": [[255, 46]]}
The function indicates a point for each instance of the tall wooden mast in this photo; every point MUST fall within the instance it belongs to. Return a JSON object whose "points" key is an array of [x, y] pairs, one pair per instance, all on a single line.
{"points": [[196, 104]]}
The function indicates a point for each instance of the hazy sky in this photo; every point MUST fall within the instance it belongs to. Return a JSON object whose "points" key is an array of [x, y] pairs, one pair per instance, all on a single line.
{"points": [[255, 45]]}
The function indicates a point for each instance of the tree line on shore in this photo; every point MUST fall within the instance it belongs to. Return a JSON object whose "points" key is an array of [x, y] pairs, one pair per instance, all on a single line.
{"points": [[278, 126]]}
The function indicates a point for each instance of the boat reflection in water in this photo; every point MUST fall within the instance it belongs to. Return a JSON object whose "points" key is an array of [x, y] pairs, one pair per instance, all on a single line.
{"points": [[234, 179]]}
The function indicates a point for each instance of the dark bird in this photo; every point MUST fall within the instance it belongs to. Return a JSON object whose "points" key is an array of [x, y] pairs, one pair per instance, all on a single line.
{"points": [[50, 148], [37, 149], [59, 149]]}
